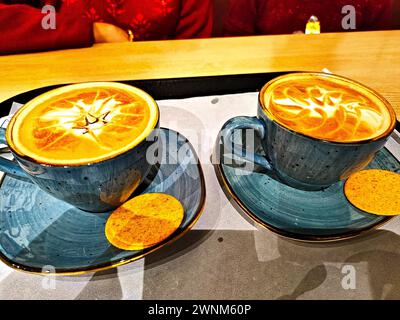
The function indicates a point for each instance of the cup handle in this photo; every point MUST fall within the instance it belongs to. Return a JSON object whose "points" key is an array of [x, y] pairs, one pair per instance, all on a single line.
{"points": [[238, 123], [8, 166]]}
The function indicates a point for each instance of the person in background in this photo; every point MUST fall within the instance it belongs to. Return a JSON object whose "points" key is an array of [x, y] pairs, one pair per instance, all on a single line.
{"points": [[256, 17], [80, 23]]}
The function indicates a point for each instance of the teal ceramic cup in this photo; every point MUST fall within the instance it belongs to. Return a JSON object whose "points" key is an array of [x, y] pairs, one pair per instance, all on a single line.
{"points": [[300, 160], [97, 186]]}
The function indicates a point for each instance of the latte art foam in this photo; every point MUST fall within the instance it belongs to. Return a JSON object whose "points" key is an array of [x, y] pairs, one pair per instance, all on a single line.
{"points": [[83, 123], [327, 108]]}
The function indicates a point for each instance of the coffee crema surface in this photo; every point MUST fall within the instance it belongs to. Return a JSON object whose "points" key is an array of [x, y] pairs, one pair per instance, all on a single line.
{"points": [[83, 123], [327, 107]]}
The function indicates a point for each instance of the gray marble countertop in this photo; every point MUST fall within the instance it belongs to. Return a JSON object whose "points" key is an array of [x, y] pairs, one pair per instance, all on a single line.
{"points": [[225, 255]]}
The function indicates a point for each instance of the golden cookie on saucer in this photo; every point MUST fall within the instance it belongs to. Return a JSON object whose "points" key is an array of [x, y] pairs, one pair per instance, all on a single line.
{"points": [[144, 221], [374, 191]]}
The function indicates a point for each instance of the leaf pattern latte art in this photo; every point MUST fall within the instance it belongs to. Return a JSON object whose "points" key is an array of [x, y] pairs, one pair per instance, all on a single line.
{"points": [[326, 111]]}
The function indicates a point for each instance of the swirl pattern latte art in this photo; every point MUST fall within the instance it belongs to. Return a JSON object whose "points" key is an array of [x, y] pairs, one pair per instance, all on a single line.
{"points": [[329, 109]]}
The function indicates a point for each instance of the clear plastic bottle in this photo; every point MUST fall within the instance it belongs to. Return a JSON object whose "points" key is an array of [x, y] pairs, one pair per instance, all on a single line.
{"points": [[313, 26]]}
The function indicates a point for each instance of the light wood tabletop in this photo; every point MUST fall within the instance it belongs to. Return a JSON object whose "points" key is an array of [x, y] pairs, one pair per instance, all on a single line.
{"points": [[372, 58]]}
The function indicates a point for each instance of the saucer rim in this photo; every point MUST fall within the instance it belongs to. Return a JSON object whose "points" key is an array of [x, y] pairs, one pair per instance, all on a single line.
{"points": [[287, 234], [231, 195], [179, 233]]}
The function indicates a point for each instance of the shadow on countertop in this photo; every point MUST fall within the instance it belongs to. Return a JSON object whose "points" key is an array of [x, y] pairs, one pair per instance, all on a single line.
{"points": [[240, 264]]}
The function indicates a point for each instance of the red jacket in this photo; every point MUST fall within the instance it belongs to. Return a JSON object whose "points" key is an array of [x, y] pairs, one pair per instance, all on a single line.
{"points": [[21, 21], [249, 17]]}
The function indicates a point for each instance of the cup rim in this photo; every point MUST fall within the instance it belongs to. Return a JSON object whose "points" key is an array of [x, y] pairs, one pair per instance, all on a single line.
{"points": [[88, 84], [389, 107]]}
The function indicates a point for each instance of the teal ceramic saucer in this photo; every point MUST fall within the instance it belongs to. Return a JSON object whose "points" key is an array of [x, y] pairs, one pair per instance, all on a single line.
{"points": [[315, 216], [39, 233]]}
